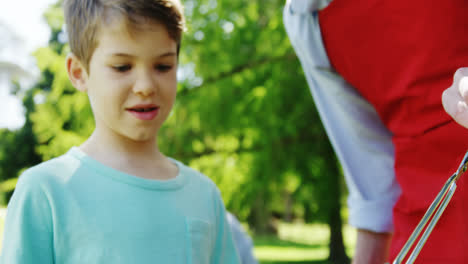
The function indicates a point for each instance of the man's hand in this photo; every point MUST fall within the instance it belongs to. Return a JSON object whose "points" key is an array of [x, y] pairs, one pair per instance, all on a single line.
{"points": [[371, 247], [455, 98]]}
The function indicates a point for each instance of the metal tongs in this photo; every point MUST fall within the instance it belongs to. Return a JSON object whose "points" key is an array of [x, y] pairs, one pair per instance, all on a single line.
{"points": [[438, 206]]}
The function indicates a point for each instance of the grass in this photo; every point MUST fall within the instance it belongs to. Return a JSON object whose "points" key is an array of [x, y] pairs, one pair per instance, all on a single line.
{"points": [[296, 243], [299, 243]]}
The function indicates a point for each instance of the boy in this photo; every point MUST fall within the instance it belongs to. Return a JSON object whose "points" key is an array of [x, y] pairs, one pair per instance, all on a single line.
{"points": [[117, 198]]}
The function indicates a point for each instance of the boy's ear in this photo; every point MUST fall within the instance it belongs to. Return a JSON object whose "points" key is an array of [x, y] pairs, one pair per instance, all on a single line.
{"points": [[76, 72]]}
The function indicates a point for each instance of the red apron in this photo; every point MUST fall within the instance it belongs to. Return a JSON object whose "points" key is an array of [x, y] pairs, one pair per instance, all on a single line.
{"points": [[401, 55]]}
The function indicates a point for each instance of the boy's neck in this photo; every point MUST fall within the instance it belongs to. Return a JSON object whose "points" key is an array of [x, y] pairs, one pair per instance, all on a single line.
{"points": [[142, 159], [111, 145]]}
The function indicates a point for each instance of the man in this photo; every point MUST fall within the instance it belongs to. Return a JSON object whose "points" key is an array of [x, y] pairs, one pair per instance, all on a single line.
{"points": [[377, 70]]}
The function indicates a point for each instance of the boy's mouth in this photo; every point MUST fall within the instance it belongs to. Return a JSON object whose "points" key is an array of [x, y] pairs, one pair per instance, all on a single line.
{"points": [[144, 112], [143, 108]]}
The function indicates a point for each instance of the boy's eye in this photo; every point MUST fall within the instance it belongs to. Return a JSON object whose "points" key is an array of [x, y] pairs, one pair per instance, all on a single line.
{"points": [[122, 68], [163, 67]]}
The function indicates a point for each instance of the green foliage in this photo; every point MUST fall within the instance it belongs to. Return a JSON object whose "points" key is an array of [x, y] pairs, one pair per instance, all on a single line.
{"points": [[64, 119], [244, 115], [8, 185], [17, 150]]}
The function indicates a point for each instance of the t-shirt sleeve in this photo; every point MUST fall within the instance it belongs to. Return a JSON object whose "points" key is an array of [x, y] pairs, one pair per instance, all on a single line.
{"points": [[224, 249], [242, 240], [28, 226]]}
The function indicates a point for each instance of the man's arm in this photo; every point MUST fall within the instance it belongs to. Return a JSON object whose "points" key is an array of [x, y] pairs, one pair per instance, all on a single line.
{"points": [[361, 141], [371, 247]]}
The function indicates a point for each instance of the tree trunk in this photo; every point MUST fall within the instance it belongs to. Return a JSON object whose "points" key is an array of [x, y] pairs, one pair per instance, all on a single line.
{"points": [[288, 207], [260, 217], [336, 246]]}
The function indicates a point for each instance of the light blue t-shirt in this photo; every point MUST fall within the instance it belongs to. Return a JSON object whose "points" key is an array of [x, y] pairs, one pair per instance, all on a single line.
{"points": [[73, 209]]}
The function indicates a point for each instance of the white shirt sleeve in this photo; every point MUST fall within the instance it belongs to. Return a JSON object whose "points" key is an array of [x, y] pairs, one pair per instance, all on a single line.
{"points": [[361, 141]]}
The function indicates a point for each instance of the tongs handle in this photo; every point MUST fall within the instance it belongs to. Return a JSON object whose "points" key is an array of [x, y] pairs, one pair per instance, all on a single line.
{"points": [[438, 206]]}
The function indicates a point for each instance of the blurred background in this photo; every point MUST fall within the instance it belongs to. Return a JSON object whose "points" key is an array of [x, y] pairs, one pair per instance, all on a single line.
{"points": [[244, 117]]}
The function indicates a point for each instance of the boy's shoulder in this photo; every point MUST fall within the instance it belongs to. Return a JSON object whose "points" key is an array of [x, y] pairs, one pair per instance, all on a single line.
{"points": [[54, 170], [194, 175]]}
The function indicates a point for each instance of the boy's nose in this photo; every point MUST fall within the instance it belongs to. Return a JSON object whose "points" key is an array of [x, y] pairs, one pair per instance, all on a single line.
{"points": [[145, 84]]}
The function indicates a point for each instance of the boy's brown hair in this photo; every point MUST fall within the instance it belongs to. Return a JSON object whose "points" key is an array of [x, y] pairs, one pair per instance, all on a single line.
{"points": [[84, 18]]}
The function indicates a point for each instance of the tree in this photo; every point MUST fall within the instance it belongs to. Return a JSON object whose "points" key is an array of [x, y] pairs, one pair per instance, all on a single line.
{"points": [[244, 115], [17, 146], [247, 105]]}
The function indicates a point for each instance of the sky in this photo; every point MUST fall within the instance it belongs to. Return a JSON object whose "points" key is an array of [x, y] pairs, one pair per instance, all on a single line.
{"points": [[24, 19]]}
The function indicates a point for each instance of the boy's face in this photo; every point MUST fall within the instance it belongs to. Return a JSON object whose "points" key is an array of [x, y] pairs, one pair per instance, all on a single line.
{"points": [[131, 82]]}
